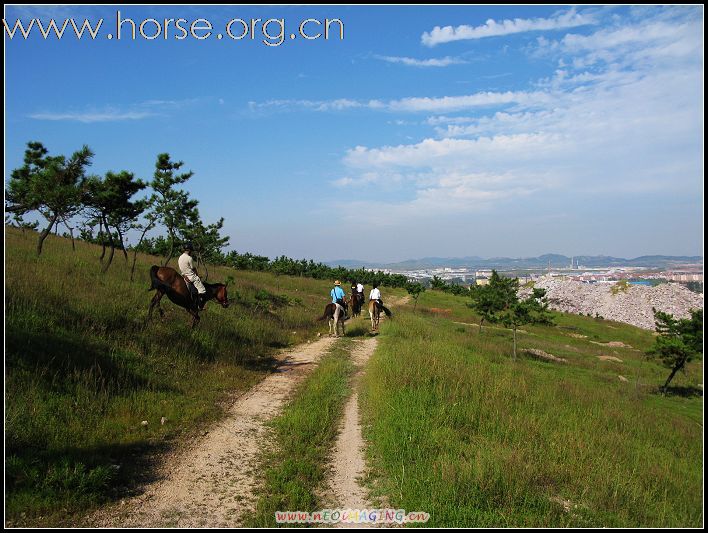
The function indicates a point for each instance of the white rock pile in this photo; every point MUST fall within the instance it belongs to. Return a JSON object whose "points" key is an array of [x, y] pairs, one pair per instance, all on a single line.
{"points": [[632, 306]]}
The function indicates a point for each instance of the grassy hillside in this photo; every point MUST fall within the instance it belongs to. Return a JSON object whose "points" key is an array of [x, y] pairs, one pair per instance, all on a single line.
{"points": [[455, 427], [83, 370], [460, 430]]}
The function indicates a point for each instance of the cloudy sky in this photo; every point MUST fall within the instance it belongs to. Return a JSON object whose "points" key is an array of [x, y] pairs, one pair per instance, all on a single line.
{"points": [[425, 131]]}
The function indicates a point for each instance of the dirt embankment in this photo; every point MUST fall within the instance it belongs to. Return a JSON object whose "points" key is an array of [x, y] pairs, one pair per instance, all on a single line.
{"points": [[631, 305]]}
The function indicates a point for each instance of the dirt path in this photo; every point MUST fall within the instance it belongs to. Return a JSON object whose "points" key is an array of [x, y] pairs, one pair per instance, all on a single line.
{"points": [[212, 483], [348, 465]]}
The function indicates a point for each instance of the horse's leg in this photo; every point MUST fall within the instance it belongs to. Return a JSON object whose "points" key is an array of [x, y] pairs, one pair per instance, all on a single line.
{"points": [[155, 302], [159, 305], [195, 317]]}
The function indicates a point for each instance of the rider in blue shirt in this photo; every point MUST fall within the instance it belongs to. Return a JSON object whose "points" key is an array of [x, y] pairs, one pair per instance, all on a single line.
{"points": [[337, 294]]}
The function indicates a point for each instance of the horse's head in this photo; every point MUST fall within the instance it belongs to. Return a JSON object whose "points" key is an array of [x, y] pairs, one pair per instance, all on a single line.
{"points": [[221, 295]]}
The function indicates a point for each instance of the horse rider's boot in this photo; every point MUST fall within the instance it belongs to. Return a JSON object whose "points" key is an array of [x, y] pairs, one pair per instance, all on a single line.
{"points": [[202, 301]]}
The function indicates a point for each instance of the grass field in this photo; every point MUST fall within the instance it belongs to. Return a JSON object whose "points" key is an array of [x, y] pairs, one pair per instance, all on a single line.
{"points": [[83, 370], [458, 429], [454, 426]]}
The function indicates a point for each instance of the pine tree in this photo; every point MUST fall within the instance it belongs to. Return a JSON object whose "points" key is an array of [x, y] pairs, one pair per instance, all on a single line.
{"points": [[680, 341], [51, 185], [415, 289], [532, 310], [172, 207], [490, 299], [110, 206]]}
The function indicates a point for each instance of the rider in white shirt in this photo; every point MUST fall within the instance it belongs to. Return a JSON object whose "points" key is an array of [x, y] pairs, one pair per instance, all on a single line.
{"points": [[375, 294], [186, 267]]}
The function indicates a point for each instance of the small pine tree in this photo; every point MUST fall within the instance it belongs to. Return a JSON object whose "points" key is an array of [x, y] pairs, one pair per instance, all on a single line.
{"points": [[490, 299], [532, 310], [172, 207], [415, 289], [679, 342]]}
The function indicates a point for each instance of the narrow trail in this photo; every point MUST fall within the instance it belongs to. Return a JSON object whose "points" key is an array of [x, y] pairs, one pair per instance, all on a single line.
{"points": [[347, 464], [212, 483]]}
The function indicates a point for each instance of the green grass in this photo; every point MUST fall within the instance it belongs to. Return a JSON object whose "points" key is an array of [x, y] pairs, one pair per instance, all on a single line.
{"points": [[295, 468], [458, 429], [82, 370], [455, 427]]}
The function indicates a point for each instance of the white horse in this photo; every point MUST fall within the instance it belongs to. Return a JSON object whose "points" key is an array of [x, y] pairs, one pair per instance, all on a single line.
{"points": [[335, 317]]}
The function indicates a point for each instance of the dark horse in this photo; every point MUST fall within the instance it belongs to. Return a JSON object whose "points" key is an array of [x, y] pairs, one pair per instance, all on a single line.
{"points": [[166, 280], [357, 301]]}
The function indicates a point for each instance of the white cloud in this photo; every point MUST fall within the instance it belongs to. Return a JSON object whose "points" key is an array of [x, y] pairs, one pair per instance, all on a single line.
{"points": [[623, 116], [339, 104], [411, 104], [443, 119], [139, 111], [491, 28], [412, 62], [108, 115], [455, 103]]}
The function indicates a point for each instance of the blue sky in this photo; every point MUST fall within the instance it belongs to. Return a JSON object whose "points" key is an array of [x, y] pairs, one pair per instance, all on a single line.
{"points": [[426, 131]]}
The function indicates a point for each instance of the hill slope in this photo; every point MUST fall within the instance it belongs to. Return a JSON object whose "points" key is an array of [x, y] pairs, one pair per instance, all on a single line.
{"points": [[83, 370], [454, 427], [458, 429]]}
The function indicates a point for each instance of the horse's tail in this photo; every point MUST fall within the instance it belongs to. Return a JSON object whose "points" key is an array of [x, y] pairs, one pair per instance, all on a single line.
{"points": [[155, 282], [386, 310], [325, 315]]}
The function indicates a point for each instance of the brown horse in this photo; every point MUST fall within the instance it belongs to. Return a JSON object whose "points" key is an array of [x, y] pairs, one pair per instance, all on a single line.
{"points": [[329, 315], [375, 314], [375, 309], [166, 280], [357, 301]]}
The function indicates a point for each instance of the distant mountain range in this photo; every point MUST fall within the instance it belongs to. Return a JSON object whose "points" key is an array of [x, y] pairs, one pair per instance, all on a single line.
{"points": [[508, 263]]}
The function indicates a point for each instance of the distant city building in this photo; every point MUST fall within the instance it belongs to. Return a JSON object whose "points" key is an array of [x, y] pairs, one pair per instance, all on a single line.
{"points": [[683, 276]]}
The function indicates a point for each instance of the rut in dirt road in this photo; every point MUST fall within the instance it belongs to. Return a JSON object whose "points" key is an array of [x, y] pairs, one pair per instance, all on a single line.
{"points": [[347, 463], [212, 484]]}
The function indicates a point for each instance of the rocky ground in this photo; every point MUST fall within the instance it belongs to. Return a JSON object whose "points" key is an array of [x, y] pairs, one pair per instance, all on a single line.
{"points": [[632, 305]]}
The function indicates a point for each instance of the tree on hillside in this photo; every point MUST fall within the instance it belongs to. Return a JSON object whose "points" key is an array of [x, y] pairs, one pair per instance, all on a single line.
{"points": [[51, 185], [172, 207], [437, 283], [207, 240], [490, 299], [415, 289], [517, 313], [149, 221], [110, 206], [679, 342]]}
